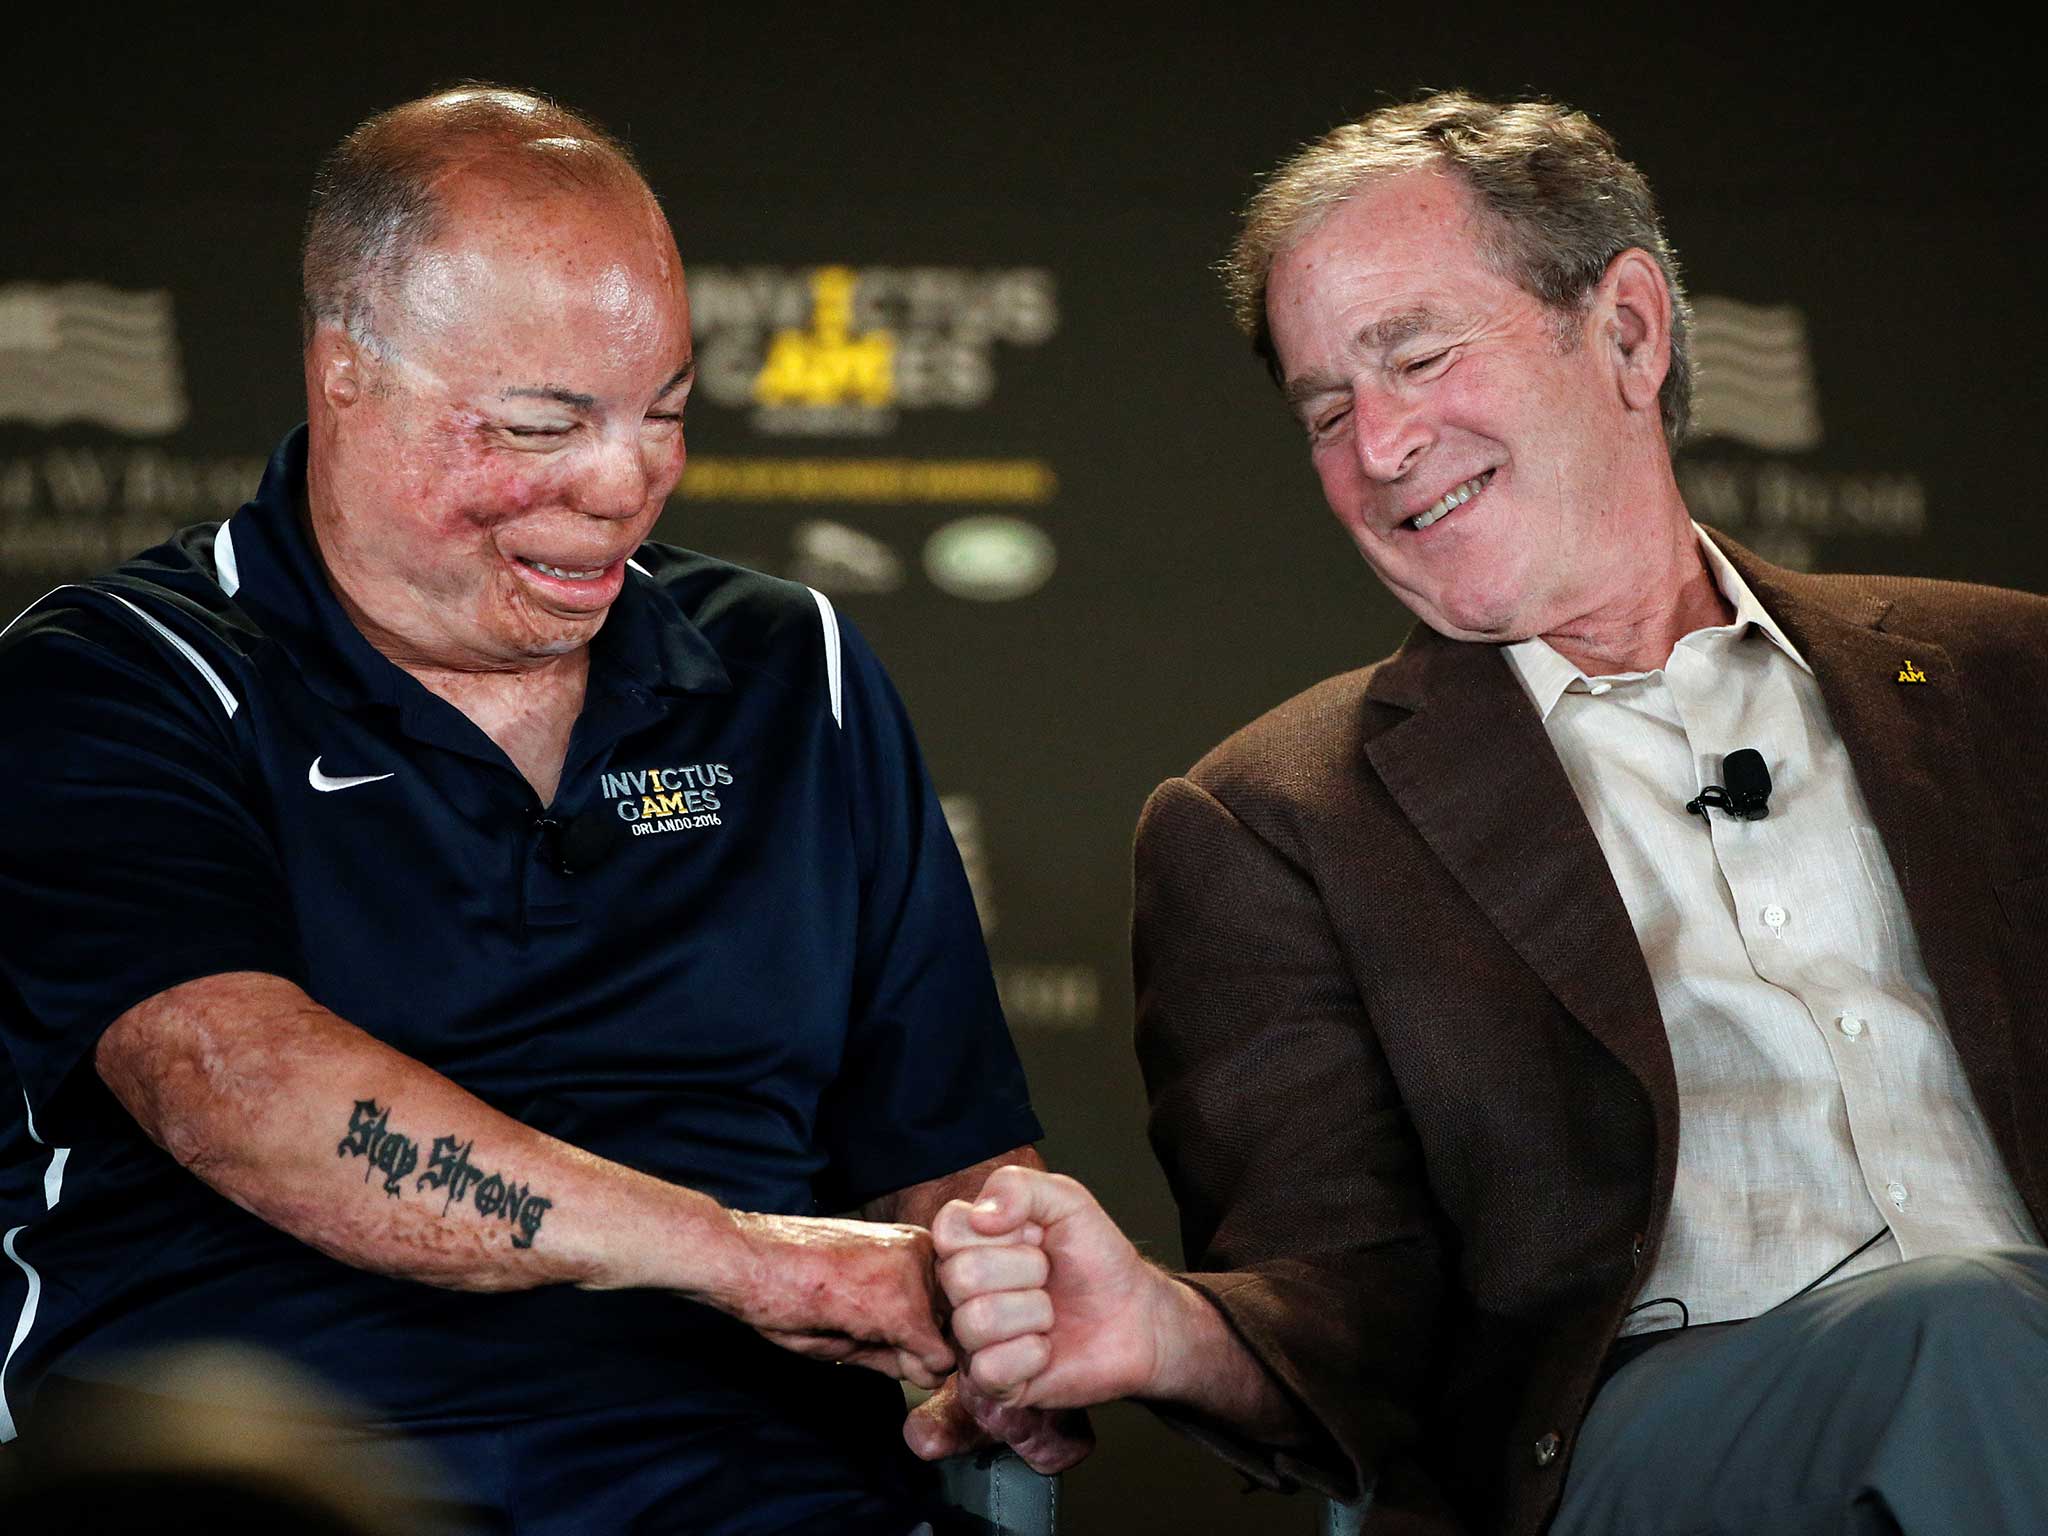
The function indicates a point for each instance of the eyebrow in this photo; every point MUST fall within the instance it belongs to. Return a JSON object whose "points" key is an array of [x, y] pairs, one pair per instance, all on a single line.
{"points": [[1390, 331], [1382, 335], [582, 402], [681, 376], [567, 397]]}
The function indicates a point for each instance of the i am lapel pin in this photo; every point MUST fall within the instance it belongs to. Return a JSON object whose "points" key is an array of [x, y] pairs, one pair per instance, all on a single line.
{"points": [[1909, 673]]}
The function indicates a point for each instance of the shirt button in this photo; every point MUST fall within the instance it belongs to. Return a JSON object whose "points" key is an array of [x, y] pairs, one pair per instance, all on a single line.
{"points": [[1546, 1449], [1774, 916], [1897, 1192], [1635, 1250], [1596, 689], [1850, 1025]]}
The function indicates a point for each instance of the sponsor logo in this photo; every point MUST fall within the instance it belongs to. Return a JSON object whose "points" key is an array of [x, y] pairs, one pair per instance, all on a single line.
{"points": [[87, 352], [682, 798], [990, 558], [327, 784], [839, 560]]}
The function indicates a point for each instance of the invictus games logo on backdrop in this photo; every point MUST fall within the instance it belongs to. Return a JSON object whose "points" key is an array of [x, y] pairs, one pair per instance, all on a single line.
{"points": [[832, 368], [836, 351]]}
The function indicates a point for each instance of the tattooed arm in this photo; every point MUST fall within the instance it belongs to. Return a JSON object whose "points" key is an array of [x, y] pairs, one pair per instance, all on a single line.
{"points": [[379, 1161]]}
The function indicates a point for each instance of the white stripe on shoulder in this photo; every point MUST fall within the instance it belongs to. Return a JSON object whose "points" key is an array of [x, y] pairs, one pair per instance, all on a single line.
{"points": [[32, 607], [228, 701], [225, 571], [832, 666]]}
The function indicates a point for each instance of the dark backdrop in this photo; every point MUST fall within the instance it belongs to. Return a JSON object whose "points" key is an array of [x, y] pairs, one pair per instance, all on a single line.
{"points": [[1066, 509]]}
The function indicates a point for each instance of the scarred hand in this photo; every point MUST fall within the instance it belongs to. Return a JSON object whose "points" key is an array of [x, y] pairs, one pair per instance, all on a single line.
{"points": [[957, 1418], [1074, 1318], [857, 1291]]}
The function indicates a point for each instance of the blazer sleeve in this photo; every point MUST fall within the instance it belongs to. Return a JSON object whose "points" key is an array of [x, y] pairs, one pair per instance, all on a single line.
{"points": [[1304, 1212]]}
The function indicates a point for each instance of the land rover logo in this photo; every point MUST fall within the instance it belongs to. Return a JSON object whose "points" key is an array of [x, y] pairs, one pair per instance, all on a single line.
{"points": [[990, 558]]}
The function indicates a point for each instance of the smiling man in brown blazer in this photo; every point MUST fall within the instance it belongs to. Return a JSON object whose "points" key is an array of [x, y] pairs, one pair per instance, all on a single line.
{"points": [[1559, 1142]]}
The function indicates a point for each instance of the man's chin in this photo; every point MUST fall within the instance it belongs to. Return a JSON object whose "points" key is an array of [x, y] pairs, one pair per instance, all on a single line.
{"points": [[565, 644], [548, 638], [1479, 624]]}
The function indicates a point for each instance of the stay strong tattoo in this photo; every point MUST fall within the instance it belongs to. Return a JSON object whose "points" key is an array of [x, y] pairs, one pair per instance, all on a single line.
{"points": [[397, 1156]]}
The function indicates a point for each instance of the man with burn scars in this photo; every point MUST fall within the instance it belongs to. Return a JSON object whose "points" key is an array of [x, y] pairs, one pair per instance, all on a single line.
{"points": [[334, 984], [1554, 1149]]}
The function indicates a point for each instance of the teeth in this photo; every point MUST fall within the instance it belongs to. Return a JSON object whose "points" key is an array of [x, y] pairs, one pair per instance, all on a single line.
{"points": [[1456, 497], [559, 573]]}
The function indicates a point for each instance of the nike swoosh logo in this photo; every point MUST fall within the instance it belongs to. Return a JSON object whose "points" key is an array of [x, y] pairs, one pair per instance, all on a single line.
{"points": [[327, 783]]}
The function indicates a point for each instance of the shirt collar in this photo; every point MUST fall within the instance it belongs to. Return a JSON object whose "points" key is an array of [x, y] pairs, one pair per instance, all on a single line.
{"points": [[266, 561], [1546, 676]]}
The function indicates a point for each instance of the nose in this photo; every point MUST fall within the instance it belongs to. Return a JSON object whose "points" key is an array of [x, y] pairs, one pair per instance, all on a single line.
{"points": [[1389, 431], [615, 482]]}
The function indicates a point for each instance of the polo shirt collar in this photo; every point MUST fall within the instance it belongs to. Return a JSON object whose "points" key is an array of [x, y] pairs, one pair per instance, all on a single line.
{"points": [[265, 559], [1546, 676]]}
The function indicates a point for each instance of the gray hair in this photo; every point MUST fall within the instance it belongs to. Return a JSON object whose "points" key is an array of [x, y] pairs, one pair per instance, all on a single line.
{"points": [[375, 207], [1562, 200]]}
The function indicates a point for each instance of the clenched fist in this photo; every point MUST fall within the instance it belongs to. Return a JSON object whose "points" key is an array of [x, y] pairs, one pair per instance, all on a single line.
{"points": [[1051, 1303], [858, 1291]]}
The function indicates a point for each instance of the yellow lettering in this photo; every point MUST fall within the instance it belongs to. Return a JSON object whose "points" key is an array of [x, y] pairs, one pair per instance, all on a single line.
{"points": [[828, 365]]}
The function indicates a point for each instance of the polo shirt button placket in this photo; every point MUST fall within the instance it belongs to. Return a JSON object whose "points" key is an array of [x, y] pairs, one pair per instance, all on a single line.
{"points": [[1547, 1448]]}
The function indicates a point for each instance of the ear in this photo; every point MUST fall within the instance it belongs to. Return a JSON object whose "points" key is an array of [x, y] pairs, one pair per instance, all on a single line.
{"points": [[1637, 304], [335, 367]]}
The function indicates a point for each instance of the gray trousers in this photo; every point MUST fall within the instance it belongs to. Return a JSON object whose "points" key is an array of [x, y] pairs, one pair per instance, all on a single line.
{"points": [[1910, 1399]]}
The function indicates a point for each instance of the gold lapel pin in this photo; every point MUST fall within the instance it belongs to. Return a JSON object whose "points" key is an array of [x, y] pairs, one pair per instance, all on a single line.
{"points": [[1911, 674]]}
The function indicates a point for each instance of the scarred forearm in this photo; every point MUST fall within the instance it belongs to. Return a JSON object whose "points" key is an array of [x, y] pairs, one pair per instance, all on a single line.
{"points": [[379, 1161]]}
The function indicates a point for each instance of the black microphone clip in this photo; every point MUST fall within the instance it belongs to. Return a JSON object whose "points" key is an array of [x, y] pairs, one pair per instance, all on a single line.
{"points": [[578, 845], [1747, 794]]}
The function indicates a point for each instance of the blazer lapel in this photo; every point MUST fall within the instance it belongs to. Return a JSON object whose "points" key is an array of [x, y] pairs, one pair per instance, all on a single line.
{"points": [[1474, 772], [1909, 745]]}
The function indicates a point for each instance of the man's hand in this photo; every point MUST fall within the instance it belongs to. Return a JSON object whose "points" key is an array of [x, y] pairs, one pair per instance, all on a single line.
{"points": [[857, 1291], [1076, 1318], [957, 1418]]}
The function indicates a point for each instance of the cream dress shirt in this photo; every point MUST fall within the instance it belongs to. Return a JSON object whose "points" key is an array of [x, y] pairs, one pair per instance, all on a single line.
{"points": [[1820, 1100]]}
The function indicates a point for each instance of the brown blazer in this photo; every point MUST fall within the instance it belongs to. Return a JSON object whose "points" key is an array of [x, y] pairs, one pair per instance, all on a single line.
{"points": [[1408, 1077]]}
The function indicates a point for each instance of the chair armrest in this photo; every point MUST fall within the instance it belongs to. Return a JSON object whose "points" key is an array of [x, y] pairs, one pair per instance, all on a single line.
{"points": [[998, 1488]]}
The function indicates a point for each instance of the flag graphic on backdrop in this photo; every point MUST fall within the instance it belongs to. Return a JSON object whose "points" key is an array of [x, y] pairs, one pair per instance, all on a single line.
{"points": [[87, 352], [1755, 374]]}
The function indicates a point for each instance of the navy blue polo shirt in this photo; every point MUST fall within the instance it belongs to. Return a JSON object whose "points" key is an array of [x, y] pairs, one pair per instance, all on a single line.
{"points": [[737, 951]]}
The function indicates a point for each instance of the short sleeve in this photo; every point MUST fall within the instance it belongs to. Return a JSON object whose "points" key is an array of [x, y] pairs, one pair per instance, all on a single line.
{"points": [[132, 856], [931, 1082]]}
